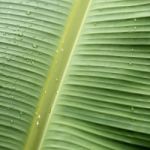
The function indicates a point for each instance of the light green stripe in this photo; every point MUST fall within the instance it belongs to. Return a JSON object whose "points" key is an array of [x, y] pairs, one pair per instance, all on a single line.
{"points": [[56, 73]]}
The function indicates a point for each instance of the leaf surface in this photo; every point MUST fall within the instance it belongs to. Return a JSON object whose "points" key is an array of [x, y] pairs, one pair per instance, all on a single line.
{"points": [[74, 75]]}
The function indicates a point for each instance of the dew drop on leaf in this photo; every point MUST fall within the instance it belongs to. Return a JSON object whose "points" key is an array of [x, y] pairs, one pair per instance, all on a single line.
{"points": [[20, 34], [132, 108], [12, 121], [37, 123], [34, 45], [8, 58], [20, 114], [32, 62], [95, 24], [28, 12], [4, 33], [10, 6]]}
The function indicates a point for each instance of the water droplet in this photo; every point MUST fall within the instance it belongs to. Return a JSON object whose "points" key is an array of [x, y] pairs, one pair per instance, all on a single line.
{"points": [[27, 59], [20, 114], [34, 45], [20, 34], [4, 33], [21, 39], [37, 123], [45, 91], [8, 58], [132, 108], [39, 116], [8, 11], [134, 19], [28, 12], [135, 27], [95, 24], [10, 6], [12, 121], [32, 62]]}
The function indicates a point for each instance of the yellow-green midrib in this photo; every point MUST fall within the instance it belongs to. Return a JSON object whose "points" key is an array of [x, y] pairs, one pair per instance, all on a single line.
{"points": [[60, 62]]}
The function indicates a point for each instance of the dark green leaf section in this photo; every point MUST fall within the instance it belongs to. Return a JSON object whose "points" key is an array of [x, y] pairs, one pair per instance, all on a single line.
{"points": [[30, 31], [104, 101]]}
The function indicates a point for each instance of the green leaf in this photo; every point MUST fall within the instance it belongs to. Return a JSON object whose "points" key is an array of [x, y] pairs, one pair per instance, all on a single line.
{"points": [[74, 75]]}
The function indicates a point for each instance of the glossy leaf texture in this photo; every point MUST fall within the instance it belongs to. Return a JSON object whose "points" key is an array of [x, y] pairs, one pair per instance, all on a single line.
{"points": [[103, 99]]}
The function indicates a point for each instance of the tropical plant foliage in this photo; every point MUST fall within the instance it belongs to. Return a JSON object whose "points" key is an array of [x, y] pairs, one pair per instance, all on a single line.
{"points": [[75, 74]]}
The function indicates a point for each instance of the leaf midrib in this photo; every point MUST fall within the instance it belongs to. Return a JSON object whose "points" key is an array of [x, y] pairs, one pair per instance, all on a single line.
{"points": [[57, 71]]}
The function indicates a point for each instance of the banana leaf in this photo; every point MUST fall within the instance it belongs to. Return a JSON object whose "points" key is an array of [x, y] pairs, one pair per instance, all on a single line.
{"points": [[74, 74]]}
